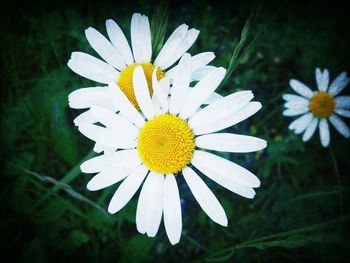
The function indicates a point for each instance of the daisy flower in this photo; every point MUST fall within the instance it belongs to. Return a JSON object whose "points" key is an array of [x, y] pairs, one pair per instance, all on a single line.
{"points": [[166, 139], [318, 107], [120, 61]]}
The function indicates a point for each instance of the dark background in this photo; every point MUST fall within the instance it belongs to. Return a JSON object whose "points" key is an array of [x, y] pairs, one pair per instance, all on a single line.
{"points": [[300, 212]]}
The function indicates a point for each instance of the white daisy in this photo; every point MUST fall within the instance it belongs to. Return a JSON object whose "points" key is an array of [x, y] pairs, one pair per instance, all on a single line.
{"points": [[319, 107], [166, 139], [120, 61]]}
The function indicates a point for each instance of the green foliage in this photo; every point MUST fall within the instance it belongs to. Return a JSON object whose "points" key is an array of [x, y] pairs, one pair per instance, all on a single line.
{"points": [[300, 212]]}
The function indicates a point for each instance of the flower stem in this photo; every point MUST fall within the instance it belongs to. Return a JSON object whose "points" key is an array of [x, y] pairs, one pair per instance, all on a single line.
{"points": [[336, 170]]}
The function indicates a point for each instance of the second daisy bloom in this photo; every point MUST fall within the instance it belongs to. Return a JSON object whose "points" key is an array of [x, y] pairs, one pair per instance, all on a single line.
{"points": [[317, 108]]}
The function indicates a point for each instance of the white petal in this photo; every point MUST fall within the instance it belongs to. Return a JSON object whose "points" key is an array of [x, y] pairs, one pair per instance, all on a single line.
{"points": [[344, 113], [181, 82], [92, 68], [142, 93], [297, 104], [85, 118], [149, 207], [213, 98], [301, 88], [104, 48], [295, 111], [185, 44], [106, 137], [228, 142], [119, 41], [202, 59], [205, 197], [172, 209], [160, 96], [87, 97], [125, 106], [115, 122], [198, 74], [218, 168], [98, 148], [201, 92], [127, 189], [340, 125], [301, 123], [310, 130], [338, 84], [220, 109], [229, 120], [292, 97], [342, 102], [141, 38], [322, 79], [324, 132], [120, 164]]}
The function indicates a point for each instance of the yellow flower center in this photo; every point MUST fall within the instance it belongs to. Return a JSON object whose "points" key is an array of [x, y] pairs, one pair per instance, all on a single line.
{"points": [[125, 80], [322, 105], [166, 144]]}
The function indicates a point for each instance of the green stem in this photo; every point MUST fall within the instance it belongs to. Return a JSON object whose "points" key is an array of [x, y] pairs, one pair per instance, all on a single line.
{"points": [[336, 170]]}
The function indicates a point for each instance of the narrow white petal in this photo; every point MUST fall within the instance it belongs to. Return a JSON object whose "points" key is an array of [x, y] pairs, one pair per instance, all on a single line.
{"points": [[229, 120], [92, 68], [310, 130], [160, 96], [228, 142], [213, 98], [301, 123], [218, 168], [295, 111], [205, 197], [181, 83], [172, 209], [322, 79], [141, 38], [170, 46], [120, 165], [338, 84], [292, 97], [324, 132], [155, 208], [220, 109], [142, 93], [87, 97], [198, 74], [119, 41], [98, 148], [202, 59], [340, 125], [85, 118], [125, 106], [301, 88], [98, 163], [342, 102], [201, 92], [100, 135], [127, 189], [104, 48], [149, 207], [185, 44], [297, 104], [344, 113], [115, 122]]}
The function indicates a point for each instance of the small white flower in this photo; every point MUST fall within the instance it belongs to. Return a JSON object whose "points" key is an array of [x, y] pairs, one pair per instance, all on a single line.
{"points": [[167, 139], [120, 61], [319, 107]]}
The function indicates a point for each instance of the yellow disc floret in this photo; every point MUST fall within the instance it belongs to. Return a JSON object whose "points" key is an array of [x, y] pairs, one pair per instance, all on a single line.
{"points": [[322, 105], [125, 80], [166, 144]]}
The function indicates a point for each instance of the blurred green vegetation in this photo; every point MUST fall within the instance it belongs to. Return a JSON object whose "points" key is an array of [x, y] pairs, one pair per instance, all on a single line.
{"points": [[300, 213]]}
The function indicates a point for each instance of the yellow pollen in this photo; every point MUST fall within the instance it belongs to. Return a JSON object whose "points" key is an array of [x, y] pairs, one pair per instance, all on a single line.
{"points": [[125, 80], [322, 105], [166, 144]]}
